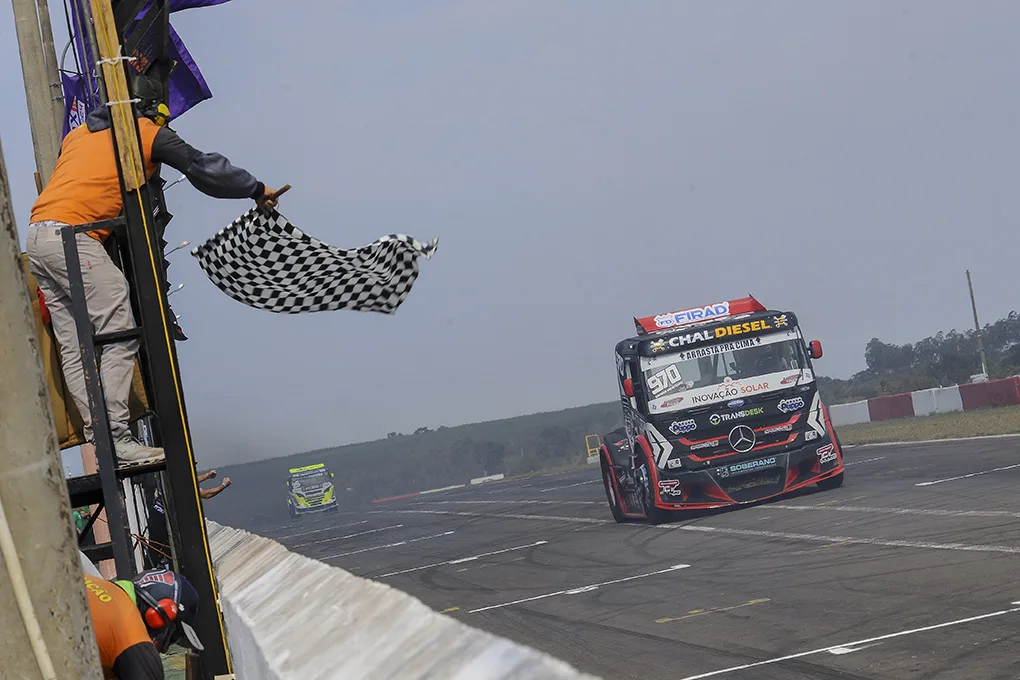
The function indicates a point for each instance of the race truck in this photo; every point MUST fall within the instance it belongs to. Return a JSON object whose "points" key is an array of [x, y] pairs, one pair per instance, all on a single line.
{"points": [[310, 489], [720, 407]]}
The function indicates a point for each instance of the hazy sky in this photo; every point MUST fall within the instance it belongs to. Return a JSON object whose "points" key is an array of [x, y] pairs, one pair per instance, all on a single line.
{"points": [[582, 162]]}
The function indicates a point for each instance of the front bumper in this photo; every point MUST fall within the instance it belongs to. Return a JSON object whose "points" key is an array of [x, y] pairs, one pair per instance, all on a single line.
{"points": [[748, 479], [315, 508]]}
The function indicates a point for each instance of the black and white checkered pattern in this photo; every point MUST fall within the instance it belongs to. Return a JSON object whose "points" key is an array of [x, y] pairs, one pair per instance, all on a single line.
{"points": [[266, 262]]}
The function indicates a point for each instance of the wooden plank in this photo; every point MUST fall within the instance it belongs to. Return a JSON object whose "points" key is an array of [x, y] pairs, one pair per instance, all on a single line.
{"points": [[125, 129]]}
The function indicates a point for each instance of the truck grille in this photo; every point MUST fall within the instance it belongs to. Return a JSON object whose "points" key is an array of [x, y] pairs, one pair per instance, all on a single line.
{"points": [[753, 485]]}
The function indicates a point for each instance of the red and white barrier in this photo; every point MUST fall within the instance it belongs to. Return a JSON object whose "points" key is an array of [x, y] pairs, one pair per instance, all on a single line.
{"points": [[937, 400], [965, 397]]}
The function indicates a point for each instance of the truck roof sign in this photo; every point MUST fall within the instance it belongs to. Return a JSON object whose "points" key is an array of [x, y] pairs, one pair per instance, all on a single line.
{"points": [[683, 317], [307, 468]]}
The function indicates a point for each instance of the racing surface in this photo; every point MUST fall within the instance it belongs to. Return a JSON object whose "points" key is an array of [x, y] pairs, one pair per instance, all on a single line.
{"points": [[907, 571]]}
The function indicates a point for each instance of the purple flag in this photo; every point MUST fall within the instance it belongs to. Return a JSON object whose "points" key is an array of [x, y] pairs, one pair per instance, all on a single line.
{"points": [[75, 109], [178, 5], [187, 85], [82, 17]]}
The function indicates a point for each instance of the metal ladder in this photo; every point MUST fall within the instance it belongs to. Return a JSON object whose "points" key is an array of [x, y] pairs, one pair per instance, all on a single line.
{"points": [[104, 488]]}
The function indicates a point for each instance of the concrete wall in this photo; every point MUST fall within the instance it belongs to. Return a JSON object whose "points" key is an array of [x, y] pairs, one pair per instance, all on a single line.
{"points": [[289, 617], [891, 406], [937, 400], [848, 414], [928, 402], [993, 393]]}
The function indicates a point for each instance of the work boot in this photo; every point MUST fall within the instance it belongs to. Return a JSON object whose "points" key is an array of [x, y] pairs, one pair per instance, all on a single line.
{"points": [[130, 452]]}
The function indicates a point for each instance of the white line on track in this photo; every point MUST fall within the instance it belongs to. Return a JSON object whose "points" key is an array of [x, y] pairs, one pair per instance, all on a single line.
{"points": [[814, 538], [866, 460], [443, 488], [343, 538], [502, 515], [510, 488], [582, 589], [463, 559], [889, 543], [513, 502], [568, 486], [383, 547], [972, 474], [486, 566], [316, 531], [839, 651], [847, 645], [933, 441], [934, 512]]}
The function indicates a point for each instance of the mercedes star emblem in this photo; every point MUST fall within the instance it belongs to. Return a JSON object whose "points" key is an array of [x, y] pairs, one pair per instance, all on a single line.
{"points": [[742, 438]]}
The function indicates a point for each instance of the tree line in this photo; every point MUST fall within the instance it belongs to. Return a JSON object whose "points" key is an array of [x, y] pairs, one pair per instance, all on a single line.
{"points": [[941, 360]]}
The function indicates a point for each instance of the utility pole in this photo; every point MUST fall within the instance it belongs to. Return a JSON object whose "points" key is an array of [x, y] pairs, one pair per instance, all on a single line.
{"points": [[44, 612], [977, 328], [38, 69], [52, 70], [44, 93]]}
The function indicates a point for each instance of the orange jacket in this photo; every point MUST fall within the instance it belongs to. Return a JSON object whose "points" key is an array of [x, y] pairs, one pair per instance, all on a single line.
{"points": [[125, 648], [85, 185]]}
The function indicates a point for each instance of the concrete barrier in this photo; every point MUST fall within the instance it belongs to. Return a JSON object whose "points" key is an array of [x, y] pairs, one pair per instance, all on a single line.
{"points": [[936, 400], [891, 406], [966, 397], [490, 478], [925, 402], [289, 617], [948, 399], [992, 393], [848, 414]]}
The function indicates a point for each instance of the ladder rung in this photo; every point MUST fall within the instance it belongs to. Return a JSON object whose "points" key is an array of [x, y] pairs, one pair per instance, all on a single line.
{"points": [[88, 489], [94, 226], [116, 336], [98, 553]]}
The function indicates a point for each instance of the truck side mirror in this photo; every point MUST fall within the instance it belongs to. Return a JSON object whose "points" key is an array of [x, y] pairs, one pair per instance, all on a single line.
{"points": [[628, 387], [815, 349]]}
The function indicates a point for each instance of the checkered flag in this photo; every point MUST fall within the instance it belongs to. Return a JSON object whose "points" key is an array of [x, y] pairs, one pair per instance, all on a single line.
{"points": [[266, 262]]}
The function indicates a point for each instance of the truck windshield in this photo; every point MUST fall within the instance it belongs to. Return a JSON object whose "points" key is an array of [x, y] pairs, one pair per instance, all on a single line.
{"points": [[723, 371], [310, 480]]}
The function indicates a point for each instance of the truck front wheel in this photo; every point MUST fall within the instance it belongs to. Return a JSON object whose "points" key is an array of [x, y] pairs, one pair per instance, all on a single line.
{"points": [[655, 515], [611, 497], [831, 483]]}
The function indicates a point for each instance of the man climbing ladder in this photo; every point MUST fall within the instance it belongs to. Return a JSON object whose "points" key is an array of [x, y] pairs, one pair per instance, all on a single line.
{"points": [[85, 188]]}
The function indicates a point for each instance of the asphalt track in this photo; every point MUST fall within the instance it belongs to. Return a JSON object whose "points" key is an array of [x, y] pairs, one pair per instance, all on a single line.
{"points": [[907, 571]]}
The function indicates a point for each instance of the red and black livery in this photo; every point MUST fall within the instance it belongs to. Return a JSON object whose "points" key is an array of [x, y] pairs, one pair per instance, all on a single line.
{"points": [[720, 407]]}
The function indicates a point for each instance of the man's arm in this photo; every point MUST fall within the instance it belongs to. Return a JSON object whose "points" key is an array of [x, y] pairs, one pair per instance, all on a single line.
{"points": [[209, 172], [139, 662], [210, 493]]}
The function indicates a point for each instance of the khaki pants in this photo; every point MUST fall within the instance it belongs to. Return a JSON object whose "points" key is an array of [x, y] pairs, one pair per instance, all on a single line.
{"points": [[106, 294]]}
